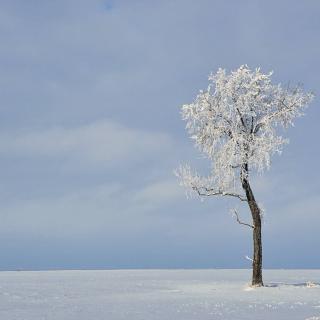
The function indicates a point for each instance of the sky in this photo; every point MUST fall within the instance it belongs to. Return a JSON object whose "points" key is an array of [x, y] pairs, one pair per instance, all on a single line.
{"points": [[91, 132]]}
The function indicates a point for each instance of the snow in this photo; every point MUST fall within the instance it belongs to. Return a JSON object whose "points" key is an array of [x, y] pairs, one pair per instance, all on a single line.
{"points": [[158, 294]]}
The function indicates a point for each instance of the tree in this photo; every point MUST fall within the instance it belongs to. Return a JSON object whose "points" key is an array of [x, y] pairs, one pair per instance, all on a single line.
{"points": [[235, 124]]}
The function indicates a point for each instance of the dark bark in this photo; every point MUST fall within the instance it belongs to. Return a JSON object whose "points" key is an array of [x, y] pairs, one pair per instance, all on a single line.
{"points": [[256, 218]]}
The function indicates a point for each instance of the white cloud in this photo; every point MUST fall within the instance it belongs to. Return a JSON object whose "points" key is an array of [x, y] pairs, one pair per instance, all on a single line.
{"points": [[111, 209], [159, 193], [103, 143]]}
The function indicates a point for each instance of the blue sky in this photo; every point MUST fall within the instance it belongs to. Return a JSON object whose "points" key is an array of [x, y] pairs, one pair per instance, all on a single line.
{"points": [[90, 133]]}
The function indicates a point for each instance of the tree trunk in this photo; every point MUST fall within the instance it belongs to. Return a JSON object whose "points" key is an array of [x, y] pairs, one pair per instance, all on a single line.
{"points": [[257, 242]]}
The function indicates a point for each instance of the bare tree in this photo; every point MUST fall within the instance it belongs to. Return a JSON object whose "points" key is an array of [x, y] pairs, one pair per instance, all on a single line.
{"points": [[234, 123]]}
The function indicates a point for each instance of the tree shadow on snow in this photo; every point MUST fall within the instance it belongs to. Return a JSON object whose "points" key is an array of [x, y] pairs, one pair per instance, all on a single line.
{"points": [[308, 284]]}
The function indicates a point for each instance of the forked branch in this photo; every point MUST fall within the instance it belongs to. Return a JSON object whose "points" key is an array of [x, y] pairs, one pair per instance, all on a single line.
{"points": [[203, 191], [239, 221]]}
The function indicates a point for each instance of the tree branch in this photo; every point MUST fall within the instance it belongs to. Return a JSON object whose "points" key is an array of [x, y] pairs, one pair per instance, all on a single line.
{"points": [[240, 222], [248, 258], [228, 121], [203, 191], [275, 114]]}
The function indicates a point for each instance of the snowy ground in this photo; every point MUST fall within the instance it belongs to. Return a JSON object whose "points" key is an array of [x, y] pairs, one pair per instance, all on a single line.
{"points": [[158, 294]]}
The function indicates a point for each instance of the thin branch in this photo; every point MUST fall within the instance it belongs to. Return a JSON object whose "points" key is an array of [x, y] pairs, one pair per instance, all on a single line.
{"points": [[228, 121], [240, 222], [273, 115], [252, 121], [210, 192], [248, 258], [257, 127], [241, 118]]}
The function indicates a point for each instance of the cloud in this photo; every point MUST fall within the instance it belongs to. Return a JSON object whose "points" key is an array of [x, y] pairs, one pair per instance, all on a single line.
{"points": [[77, 213], [103, 144], [159, 193], [112, 209]]}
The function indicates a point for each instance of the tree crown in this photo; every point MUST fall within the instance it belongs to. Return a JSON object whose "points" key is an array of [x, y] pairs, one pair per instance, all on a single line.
{"points": [[235, 124]]}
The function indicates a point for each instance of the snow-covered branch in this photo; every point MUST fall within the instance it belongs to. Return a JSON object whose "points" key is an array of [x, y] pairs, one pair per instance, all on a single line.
{"points": [[202, 186], [210, 192], [288, 104]]}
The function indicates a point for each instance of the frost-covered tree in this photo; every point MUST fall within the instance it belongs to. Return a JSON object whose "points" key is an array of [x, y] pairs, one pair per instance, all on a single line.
{"points": [[235, 123]]}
